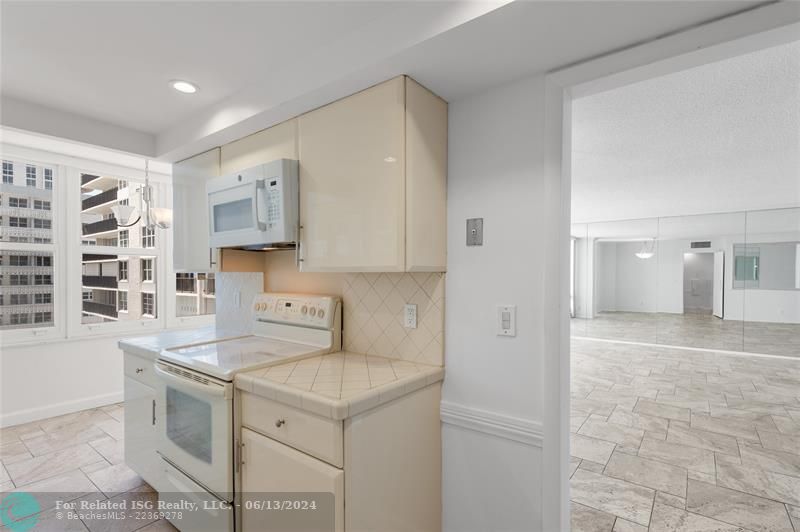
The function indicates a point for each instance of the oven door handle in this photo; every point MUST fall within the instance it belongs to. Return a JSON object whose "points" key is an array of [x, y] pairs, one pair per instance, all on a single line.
{"points": [[217, 390]]}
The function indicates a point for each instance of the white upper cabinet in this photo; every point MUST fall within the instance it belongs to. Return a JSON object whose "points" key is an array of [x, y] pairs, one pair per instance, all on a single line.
{"points": [[372, 181], [191, 250]]}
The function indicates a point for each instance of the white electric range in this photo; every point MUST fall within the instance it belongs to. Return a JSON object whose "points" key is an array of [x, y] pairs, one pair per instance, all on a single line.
{"points": [[195, 398]]}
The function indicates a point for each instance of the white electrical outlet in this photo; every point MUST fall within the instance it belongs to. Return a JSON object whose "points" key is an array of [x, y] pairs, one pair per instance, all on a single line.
{"points": [[410, 316], [507, 320]]}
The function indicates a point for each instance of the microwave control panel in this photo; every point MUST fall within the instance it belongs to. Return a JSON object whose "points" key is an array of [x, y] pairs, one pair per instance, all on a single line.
{"points": [[296, 309]]}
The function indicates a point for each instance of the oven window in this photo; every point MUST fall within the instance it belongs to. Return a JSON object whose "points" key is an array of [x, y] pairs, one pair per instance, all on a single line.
{"points": [[189, 424], [233, 215]]}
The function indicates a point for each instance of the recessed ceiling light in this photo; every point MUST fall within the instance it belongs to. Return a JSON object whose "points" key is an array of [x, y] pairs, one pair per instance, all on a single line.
{"points": [[183, 86], [390, 159]]}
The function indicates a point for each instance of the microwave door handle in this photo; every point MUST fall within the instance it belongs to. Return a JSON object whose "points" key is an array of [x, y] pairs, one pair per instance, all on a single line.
{"points": [[258, 184], [186, 384]]}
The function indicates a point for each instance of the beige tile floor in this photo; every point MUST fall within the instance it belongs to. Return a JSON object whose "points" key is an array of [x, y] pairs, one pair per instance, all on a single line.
{"points": [[74, 457], [693, 330], [667, 439]]}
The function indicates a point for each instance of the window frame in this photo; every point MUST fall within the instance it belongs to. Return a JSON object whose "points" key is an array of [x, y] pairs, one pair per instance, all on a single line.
{"points": [[66, 250], [23, 157]]}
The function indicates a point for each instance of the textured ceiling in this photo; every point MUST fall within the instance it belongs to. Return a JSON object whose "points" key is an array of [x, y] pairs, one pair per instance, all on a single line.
{"points": [[720, 137]]}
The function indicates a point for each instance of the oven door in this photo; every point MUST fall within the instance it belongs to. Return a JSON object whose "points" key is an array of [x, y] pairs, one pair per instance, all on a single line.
{"points": [[196, 427], [237, 209]]}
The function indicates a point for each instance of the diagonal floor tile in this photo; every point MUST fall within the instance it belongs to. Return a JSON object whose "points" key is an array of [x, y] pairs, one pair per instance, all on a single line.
{"points": [[613, 496], [730, 506], [657, 475], [691, 458], [669, 519], [780, 442], [612, 432], [702, 439], [585, 519], [768, 484], [590, 448], [50, 465], [780, 462]]}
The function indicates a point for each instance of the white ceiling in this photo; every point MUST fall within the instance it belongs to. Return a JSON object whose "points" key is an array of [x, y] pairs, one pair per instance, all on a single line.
{"points": [[261, 62], [715, 138], [112, 61]]}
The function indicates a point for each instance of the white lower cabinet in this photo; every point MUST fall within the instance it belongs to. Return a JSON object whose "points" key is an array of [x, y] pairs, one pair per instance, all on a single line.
{"points": [[382, 466], [140, 431], [271, 469]]}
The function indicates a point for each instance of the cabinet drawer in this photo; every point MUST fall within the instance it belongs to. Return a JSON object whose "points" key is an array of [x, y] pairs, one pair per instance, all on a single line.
{"points": [[310, 433], [140, 369]]}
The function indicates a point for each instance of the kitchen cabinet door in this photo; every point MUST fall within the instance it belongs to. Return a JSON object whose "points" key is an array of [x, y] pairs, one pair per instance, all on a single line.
{"points": [[140, 431], [352, 182], [191, 249], [272, 468]]}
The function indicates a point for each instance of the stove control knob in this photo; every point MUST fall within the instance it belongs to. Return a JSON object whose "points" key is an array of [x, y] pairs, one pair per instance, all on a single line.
{"points": [[312, 311], [321, 313], [304, 310]]}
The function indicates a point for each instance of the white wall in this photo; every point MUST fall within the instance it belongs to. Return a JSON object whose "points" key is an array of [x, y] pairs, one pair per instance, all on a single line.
{"points": [[49, 379], [623, 282], [605, 276], [495, 172]]}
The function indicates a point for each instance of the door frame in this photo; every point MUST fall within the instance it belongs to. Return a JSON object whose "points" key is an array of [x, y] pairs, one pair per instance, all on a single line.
{"points": [[748, 31]]}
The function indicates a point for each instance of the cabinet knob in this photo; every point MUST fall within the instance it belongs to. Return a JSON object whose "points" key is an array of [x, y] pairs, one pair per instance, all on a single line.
{"points": [[280, 422], [139, 370]]}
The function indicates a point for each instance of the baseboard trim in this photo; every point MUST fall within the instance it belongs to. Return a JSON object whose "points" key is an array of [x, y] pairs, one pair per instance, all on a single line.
{"points": [[66, 407], [498, 425], [685, 348]]}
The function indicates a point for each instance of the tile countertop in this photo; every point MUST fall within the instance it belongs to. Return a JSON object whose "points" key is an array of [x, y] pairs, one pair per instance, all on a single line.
{"points": [[339, 385], [151, 346]]}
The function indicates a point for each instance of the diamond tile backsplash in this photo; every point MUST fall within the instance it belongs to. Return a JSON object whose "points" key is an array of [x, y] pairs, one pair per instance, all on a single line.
{"points": [[374, 305]]}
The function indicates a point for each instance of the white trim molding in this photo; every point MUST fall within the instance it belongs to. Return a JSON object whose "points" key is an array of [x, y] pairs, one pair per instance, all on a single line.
{"points": [[492, 423]]}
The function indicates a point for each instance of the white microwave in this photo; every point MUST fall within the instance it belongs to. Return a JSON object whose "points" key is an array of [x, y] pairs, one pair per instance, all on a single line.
{"points": [[256, 208]]}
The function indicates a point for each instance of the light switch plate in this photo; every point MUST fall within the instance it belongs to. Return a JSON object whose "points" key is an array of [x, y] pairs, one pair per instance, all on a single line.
{"points": [[475, 232], [507, 320], [410, 316]]}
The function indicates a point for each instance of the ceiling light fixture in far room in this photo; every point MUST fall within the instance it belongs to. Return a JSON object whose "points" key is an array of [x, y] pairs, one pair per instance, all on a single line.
{"points": [[183, 86], [648, 249]]}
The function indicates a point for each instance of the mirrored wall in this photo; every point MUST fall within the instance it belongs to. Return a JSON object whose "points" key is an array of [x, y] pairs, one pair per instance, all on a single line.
{"points": [[723, 281]]}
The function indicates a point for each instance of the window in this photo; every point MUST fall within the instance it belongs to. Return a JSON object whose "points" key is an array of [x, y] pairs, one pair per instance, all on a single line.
{"points": [[43, 298], [48, 179], [148, 304], [42, 224], [18, 260], [30, 176], [148, 237], [42, 317], [123, 270], [147, 269], [194, 294], [123, 238], [42, 279], [87, 296], [20, 318], [8, 172], [20, 299], [19, 280], [41, 205], [15, 221], [18, 202], [122, 301], [44, 261]]}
